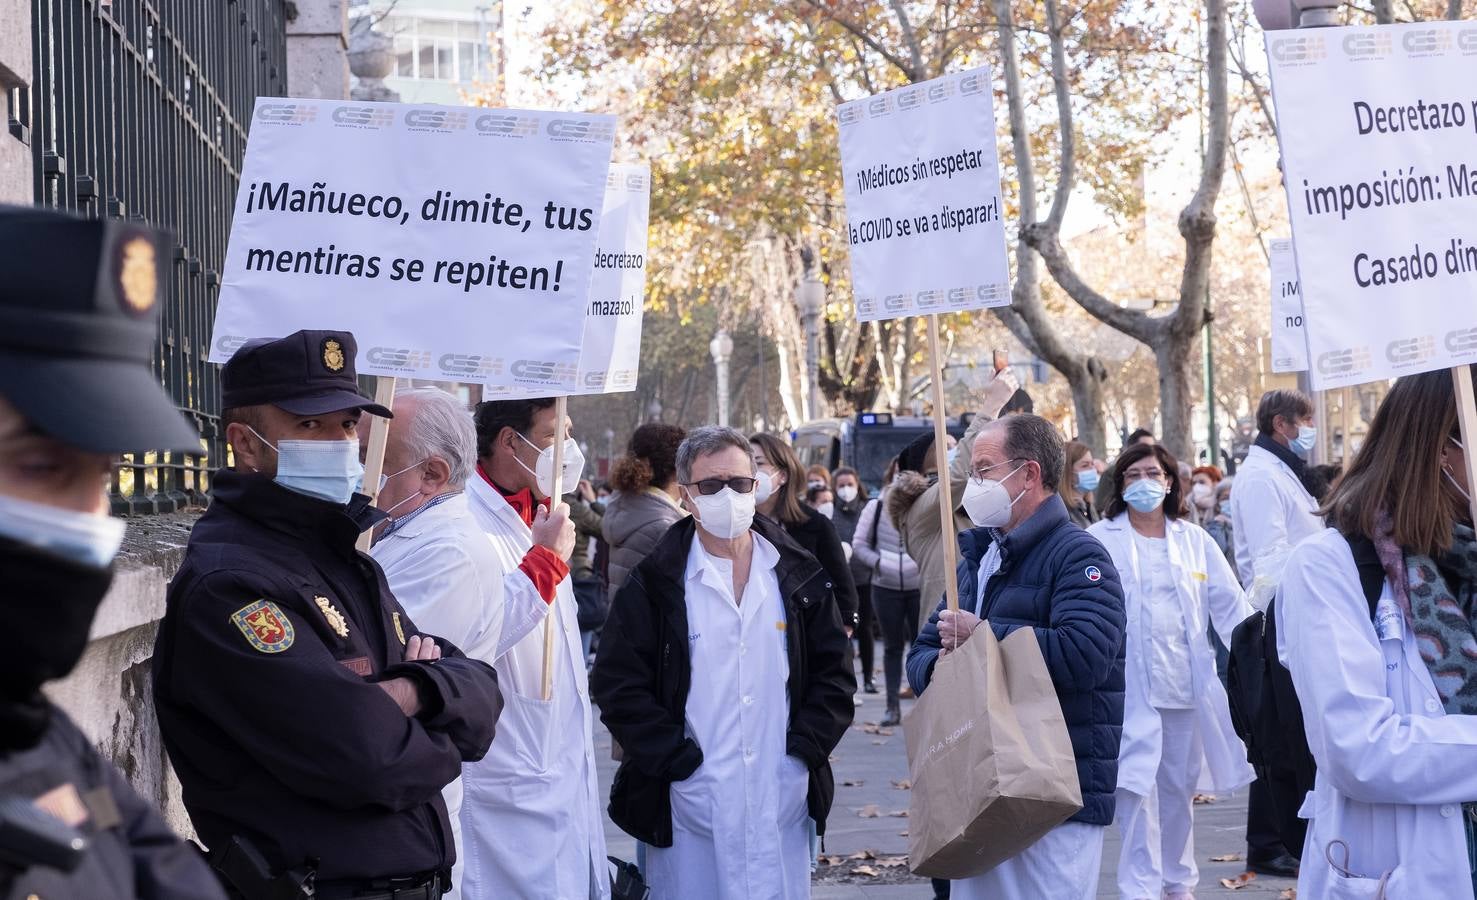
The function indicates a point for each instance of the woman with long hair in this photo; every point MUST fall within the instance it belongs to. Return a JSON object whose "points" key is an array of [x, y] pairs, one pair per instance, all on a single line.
{"points": [[1078, 484], [780, 495], [1176, 584], [645, 502], [1386, 669]]}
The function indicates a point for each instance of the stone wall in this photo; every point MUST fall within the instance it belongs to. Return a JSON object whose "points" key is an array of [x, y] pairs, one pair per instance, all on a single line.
{"points": [[16, 185]]}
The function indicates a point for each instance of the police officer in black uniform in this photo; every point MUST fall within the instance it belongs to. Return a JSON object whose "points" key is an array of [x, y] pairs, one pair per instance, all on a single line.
{"points": [[79, 309], [312, 728]]}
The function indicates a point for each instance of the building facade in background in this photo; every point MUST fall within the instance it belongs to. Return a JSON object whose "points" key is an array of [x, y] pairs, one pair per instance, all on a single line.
{"points": [[444, 49]]}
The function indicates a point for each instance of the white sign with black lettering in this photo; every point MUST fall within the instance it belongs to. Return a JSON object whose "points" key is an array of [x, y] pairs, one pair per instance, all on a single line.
{"points": [[1378, 128], [923, 203], [611, 355], [1289, 342], [456, 243]]}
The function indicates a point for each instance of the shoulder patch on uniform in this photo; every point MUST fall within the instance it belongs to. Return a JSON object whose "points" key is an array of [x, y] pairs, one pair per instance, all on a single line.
{"points": [[336, 619], [1094, 574], [266, 628]]}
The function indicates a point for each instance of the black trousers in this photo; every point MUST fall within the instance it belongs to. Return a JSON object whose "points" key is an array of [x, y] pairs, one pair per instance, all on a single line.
{"points": [[865, 646], [898, 613], [1263, 840]]}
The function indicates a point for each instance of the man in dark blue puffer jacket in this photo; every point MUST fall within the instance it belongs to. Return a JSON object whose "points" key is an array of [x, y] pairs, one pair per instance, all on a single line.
{"points": [[1027, 565]]}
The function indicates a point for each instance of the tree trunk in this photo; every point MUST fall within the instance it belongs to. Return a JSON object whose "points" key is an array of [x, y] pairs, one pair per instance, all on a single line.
{"points": [[1176, 397], [1087, 402]]}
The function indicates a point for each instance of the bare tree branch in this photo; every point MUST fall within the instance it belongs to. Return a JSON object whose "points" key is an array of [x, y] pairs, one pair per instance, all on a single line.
{"points": [[862, 35], [1454, 9], [911, 39], [1383, 14]]}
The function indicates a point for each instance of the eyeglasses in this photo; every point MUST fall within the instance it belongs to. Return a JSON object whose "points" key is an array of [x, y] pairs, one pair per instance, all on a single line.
{"points": [[1133, 475], [979, 474], [741, 484]]}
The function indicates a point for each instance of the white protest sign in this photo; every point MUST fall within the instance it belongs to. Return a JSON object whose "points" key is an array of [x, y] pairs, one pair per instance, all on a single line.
{"points": [[1378, 128], [455, 243], [923, 201], [611, 355], [1289, 343]]}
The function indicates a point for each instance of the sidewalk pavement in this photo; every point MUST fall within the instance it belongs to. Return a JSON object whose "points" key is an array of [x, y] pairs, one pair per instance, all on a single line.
{"points": [[868, 767]]}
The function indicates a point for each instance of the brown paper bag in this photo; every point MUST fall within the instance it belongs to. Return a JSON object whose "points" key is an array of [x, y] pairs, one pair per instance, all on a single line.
{"points": [[992, 764]]}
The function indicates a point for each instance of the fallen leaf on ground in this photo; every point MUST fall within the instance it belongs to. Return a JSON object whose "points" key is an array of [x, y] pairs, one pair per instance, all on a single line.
{"points": [[899, 814], [878, 742], [868, 727], [1289, 894], [885, 732], [892, 862], [853, 782], [867, 870], [830, 860], [1229, 857], [1204, 799], [870, 811], [904, 785], [1239, 882], [903, 833], [862, 855]]}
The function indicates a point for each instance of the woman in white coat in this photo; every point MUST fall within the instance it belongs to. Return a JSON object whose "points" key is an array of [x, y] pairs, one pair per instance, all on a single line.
{"points": [[1176, 718], [1389, 697]]}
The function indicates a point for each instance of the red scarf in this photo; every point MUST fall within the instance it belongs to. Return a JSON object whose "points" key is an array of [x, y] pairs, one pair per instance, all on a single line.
{"points": [[522, 502]]}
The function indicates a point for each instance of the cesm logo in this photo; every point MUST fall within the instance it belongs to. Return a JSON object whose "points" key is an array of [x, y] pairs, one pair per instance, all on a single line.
{"points": [[896, 302], [507, 125], [435, 120], [397, 358], [973, 83], [930, 299], [362, 117], [594, 381], [1462, 341], [1298, 51], [1426, 41], [1367, 45], [1344, 362], [540, 370], [1408, 352], [849, 114], [1466, 41], [879, 106], [940, 91], [910, 98], [229, 344], [866, 305], [579, 130], [470, 366], [287, 113]]}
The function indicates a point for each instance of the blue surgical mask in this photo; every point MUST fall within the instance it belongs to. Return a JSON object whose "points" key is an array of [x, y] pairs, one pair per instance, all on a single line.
{"points": [[1303, 444], [1087, 480], [1145, 495], [84, 538], [326, 470]]}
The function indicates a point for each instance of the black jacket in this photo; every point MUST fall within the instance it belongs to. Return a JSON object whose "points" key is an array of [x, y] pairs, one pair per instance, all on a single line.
{"points": [[643, 673], [295, 747], [817, 536], [130, 851]]}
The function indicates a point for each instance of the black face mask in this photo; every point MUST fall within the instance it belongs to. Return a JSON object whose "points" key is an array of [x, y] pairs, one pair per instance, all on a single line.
{"points": [[51, 601]]}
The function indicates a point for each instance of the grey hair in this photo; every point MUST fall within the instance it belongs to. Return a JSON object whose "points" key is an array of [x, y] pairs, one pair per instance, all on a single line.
{"points": [[706, 441], [1290, 404], [441, 426], [1030, 437]]}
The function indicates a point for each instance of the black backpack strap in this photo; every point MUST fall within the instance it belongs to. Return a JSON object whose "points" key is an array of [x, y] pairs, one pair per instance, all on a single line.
{"points": [[1371, 570]]}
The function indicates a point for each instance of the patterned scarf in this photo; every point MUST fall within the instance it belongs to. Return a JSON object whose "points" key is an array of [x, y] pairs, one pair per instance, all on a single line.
{"points": [[1437, 597]]}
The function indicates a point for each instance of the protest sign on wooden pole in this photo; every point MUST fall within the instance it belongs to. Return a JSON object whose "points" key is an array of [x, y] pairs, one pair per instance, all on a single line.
{"points": [[561, 411], [374, 453], [923, 209], [940, 442]]}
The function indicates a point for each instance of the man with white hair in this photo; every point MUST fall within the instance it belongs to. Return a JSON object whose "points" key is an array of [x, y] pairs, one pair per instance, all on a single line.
{"points": [[437, 559]]}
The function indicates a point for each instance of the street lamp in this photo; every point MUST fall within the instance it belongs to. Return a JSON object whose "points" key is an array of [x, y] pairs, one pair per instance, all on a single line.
{"points": [[722, 349], [811, 298]]}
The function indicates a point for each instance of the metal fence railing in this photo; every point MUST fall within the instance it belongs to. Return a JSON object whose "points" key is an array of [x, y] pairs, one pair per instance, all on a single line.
{"points": [[140, 110]]}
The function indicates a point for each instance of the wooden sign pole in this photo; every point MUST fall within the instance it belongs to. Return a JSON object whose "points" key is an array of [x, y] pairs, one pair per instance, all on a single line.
{"points": [[941, 453], [1466, 414], [374, 457], [561, 412]]}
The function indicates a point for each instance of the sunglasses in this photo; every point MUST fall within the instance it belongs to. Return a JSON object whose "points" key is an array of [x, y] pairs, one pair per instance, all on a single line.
{"points": [[741, 484]]}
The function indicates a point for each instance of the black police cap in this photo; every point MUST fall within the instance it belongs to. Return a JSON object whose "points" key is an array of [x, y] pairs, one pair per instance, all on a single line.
{"points": [[79, 316], [307, 373]]}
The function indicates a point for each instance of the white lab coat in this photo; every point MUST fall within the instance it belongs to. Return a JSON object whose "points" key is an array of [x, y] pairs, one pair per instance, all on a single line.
{"points": [[1393, 768], [1208, 593], [445, 571], [532, 816], [738, 822], [1271, 512]]}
